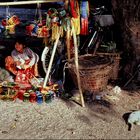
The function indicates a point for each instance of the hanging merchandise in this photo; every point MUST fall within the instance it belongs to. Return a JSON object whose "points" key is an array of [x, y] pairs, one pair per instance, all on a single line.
{"points": [[75, 15], [84, 26], [37, 27], [62, 13], [84, 12], [32, 29], [11, 22], [43, 31], [54, 22], [73, 8], [75, 20], [66, 23], [5, 23], [55, 31]]}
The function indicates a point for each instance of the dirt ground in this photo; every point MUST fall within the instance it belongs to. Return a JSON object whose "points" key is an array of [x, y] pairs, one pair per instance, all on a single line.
{"points": [[64, 119]]}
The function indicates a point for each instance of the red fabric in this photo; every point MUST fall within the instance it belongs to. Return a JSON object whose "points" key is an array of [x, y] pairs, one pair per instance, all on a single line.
{"points": [[84, 26], [73, 8], [4, 22], [23, 76]]}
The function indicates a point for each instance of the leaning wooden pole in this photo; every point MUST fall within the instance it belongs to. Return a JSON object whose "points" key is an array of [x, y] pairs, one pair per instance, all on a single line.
{"points": [[51, 61], [77, 66], [68, 37]]}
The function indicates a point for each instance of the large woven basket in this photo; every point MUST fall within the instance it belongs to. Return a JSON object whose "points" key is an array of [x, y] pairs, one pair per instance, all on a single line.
{"points": [[115, 58], [94, 73]]}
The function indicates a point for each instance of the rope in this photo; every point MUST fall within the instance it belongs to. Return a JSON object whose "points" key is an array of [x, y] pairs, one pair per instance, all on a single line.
{"points": [[7, 12], [38, 11], [7, 16], [64, 73]]}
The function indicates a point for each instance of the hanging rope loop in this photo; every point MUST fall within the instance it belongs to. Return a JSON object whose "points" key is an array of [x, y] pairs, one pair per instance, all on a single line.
{"points": [[38, 14]]}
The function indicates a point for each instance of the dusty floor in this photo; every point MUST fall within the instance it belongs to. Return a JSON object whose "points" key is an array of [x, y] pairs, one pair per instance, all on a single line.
{"points": [[67, 120]]}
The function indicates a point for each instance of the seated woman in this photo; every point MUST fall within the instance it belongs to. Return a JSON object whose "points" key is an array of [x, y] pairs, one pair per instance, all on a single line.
{"points": [[22, 62]]}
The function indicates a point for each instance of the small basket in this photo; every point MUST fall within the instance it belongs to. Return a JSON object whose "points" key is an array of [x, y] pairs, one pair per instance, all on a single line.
{"points": [[115, 58], [7, 93], [93, 77]]}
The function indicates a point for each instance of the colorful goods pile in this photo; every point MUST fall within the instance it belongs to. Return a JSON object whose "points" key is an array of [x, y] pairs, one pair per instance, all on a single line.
{"points": [[27, 92]]}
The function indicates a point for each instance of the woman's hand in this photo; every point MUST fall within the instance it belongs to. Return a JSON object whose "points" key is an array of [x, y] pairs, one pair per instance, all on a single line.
{"points": [[25, 66], [18, 63]]}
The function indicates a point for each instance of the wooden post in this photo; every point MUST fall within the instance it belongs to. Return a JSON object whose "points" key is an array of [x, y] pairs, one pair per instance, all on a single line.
{"points": [[68, 43], [77, 66], [51, 60]]}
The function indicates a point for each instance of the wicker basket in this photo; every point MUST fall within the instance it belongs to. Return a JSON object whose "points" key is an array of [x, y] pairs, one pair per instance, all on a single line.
{"points": [[7, 94], [93, 78], [115, 58]]}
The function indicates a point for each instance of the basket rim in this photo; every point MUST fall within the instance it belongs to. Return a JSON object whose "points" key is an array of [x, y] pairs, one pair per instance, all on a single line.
{"points": [[72, 65]]}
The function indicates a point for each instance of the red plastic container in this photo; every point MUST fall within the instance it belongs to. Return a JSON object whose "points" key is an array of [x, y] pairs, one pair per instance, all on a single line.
{"points": [[20, 94], [32, 97]]}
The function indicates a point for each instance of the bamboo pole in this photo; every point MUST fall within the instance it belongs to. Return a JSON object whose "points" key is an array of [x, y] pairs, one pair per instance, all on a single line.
{"points": [[27, 2], [68, 44], [92, 38], [77, 66], [51, 61]]}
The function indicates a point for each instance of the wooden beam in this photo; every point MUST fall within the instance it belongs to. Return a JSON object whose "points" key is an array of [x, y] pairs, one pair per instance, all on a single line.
{"points": [[27, 2]]}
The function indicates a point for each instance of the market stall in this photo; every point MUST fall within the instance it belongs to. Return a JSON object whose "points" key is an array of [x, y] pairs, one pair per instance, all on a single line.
{"points": [[60, 30], [38, 29]]}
